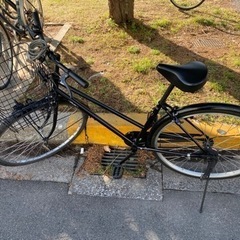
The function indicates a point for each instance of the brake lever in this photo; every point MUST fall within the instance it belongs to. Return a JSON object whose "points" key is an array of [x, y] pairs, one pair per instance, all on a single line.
{"points": [[63, 81]]}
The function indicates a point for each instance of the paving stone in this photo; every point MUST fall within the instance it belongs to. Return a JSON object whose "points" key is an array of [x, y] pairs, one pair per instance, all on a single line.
{"points": [[149, 188], [176, 181], [54, 169]]}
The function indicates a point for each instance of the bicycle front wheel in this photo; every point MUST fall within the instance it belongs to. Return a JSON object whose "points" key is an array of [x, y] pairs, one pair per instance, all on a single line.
{"points": [[31, 134], [6, 58], [186, 4], [27, 7], [204, 133]]}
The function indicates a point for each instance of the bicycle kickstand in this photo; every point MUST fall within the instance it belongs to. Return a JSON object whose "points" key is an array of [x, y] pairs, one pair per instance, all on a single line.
{"points": [[206, 176]]}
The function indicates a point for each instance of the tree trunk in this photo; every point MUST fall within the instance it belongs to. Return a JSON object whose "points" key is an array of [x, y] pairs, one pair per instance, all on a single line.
{"points": [[121, 11]]}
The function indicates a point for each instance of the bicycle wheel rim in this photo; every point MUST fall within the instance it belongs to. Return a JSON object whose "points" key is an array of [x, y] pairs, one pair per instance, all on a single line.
{"points": [[187, 4], [181, 154], [6, 58], [25, 139]]}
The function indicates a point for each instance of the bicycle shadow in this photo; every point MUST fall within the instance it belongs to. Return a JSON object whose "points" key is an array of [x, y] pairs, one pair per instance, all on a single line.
{"points": [[100, 87], [229, 83]]}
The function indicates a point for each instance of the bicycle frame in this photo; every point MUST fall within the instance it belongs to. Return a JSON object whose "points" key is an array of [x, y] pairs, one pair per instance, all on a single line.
{"points": [[136, 140], [142, 134], [141, 137]]}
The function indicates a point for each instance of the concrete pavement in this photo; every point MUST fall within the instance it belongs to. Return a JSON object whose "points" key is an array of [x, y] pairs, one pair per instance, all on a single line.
{"points": [[66, 168], [53, 199], [44, 210]]}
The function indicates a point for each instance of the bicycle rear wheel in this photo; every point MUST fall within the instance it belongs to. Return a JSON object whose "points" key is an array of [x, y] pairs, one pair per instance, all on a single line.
{"points": [[29, 133], [215, 128], [27, 7], [6, 58], [186, 4]]}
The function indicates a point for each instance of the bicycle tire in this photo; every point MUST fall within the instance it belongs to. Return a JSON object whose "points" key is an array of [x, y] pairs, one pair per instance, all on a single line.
{"points": [[215, 127], [6, 57], [187, 4], [24, 136], [26, 8]]}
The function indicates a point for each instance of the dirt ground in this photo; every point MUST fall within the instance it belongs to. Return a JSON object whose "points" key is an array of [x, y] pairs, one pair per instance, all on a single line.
{"points": [[102, 51]]}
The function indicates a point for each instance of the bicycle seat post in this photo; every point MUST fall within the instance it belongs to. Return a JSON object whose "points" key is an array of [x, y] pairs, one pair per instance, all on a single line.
{"points": [[163, 99]]}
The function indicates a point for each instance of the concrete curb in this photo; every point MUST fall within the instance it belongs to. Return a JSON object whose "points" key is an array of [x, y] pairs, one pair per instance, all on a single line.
{"points": [[98, 134]]}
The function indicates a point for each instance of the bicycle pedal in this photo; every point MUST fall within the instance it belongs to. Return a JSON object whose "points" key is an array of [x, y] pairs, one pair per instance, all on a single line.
{"points": [[117, 172]]}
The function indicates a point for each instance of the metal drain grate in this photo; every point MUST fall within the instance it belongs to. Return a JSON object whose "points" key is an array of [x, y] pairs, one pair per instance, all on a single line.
{"points": [[116, 155], [216, 43]]}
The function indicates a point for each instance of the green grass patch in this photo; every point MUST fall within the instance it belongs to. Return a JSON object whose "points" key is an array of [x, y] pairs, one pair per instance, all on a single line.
{"points": [[205, 21], [216, 87], [134, 49], [161, 23], [143, 65], [76, 39], [236, 62], [155, 52]]}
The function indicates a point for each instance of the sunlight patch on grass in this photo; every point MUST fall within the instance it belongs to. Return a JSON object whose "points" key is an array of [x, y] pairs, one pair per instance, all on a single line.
{"points": [[76, 39], [236, 62], [217, 87], [143, 65], [155, 52], [134, 50], [161, 23]]}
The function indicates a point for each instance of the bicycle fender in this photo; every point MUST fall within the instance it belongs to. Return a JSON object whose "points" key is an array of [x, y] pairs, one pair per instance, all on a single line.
{"points": [[210, 107]]}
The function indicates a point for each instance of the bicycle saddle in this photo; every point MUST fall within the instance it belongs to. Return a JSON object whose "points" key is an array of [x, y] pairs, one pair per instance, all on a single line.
{"points": [[189, 77]]}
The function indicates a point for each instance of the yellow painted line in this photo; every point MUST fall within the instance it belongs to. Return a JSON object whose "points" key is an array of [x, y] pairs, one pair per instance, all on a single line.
{"points": [[98, 134], [224, 135]]}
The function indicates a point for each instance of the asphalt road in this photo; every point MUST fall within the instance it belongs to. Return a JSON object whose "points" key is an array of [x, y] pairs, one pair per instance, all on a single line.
{"points": [[33, 210]]}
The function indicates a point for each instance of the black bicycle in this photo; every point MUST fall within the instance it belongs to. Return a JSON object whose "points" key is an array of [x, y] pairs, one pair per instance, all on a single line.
{"points": [[17, 16], [200, 140], [16, 23], [6, 57], [187, 4]]}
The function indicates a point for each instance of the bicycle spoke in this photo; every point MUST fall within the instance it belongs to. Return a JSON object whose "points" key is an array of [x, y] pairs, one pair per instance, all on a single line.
{"points": [[217, 133]]}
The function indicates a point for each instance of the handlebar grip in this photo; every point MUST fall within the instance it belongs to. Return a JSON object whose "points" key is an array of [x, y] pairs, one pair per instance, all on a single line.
{"points": [[78, 79]]}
